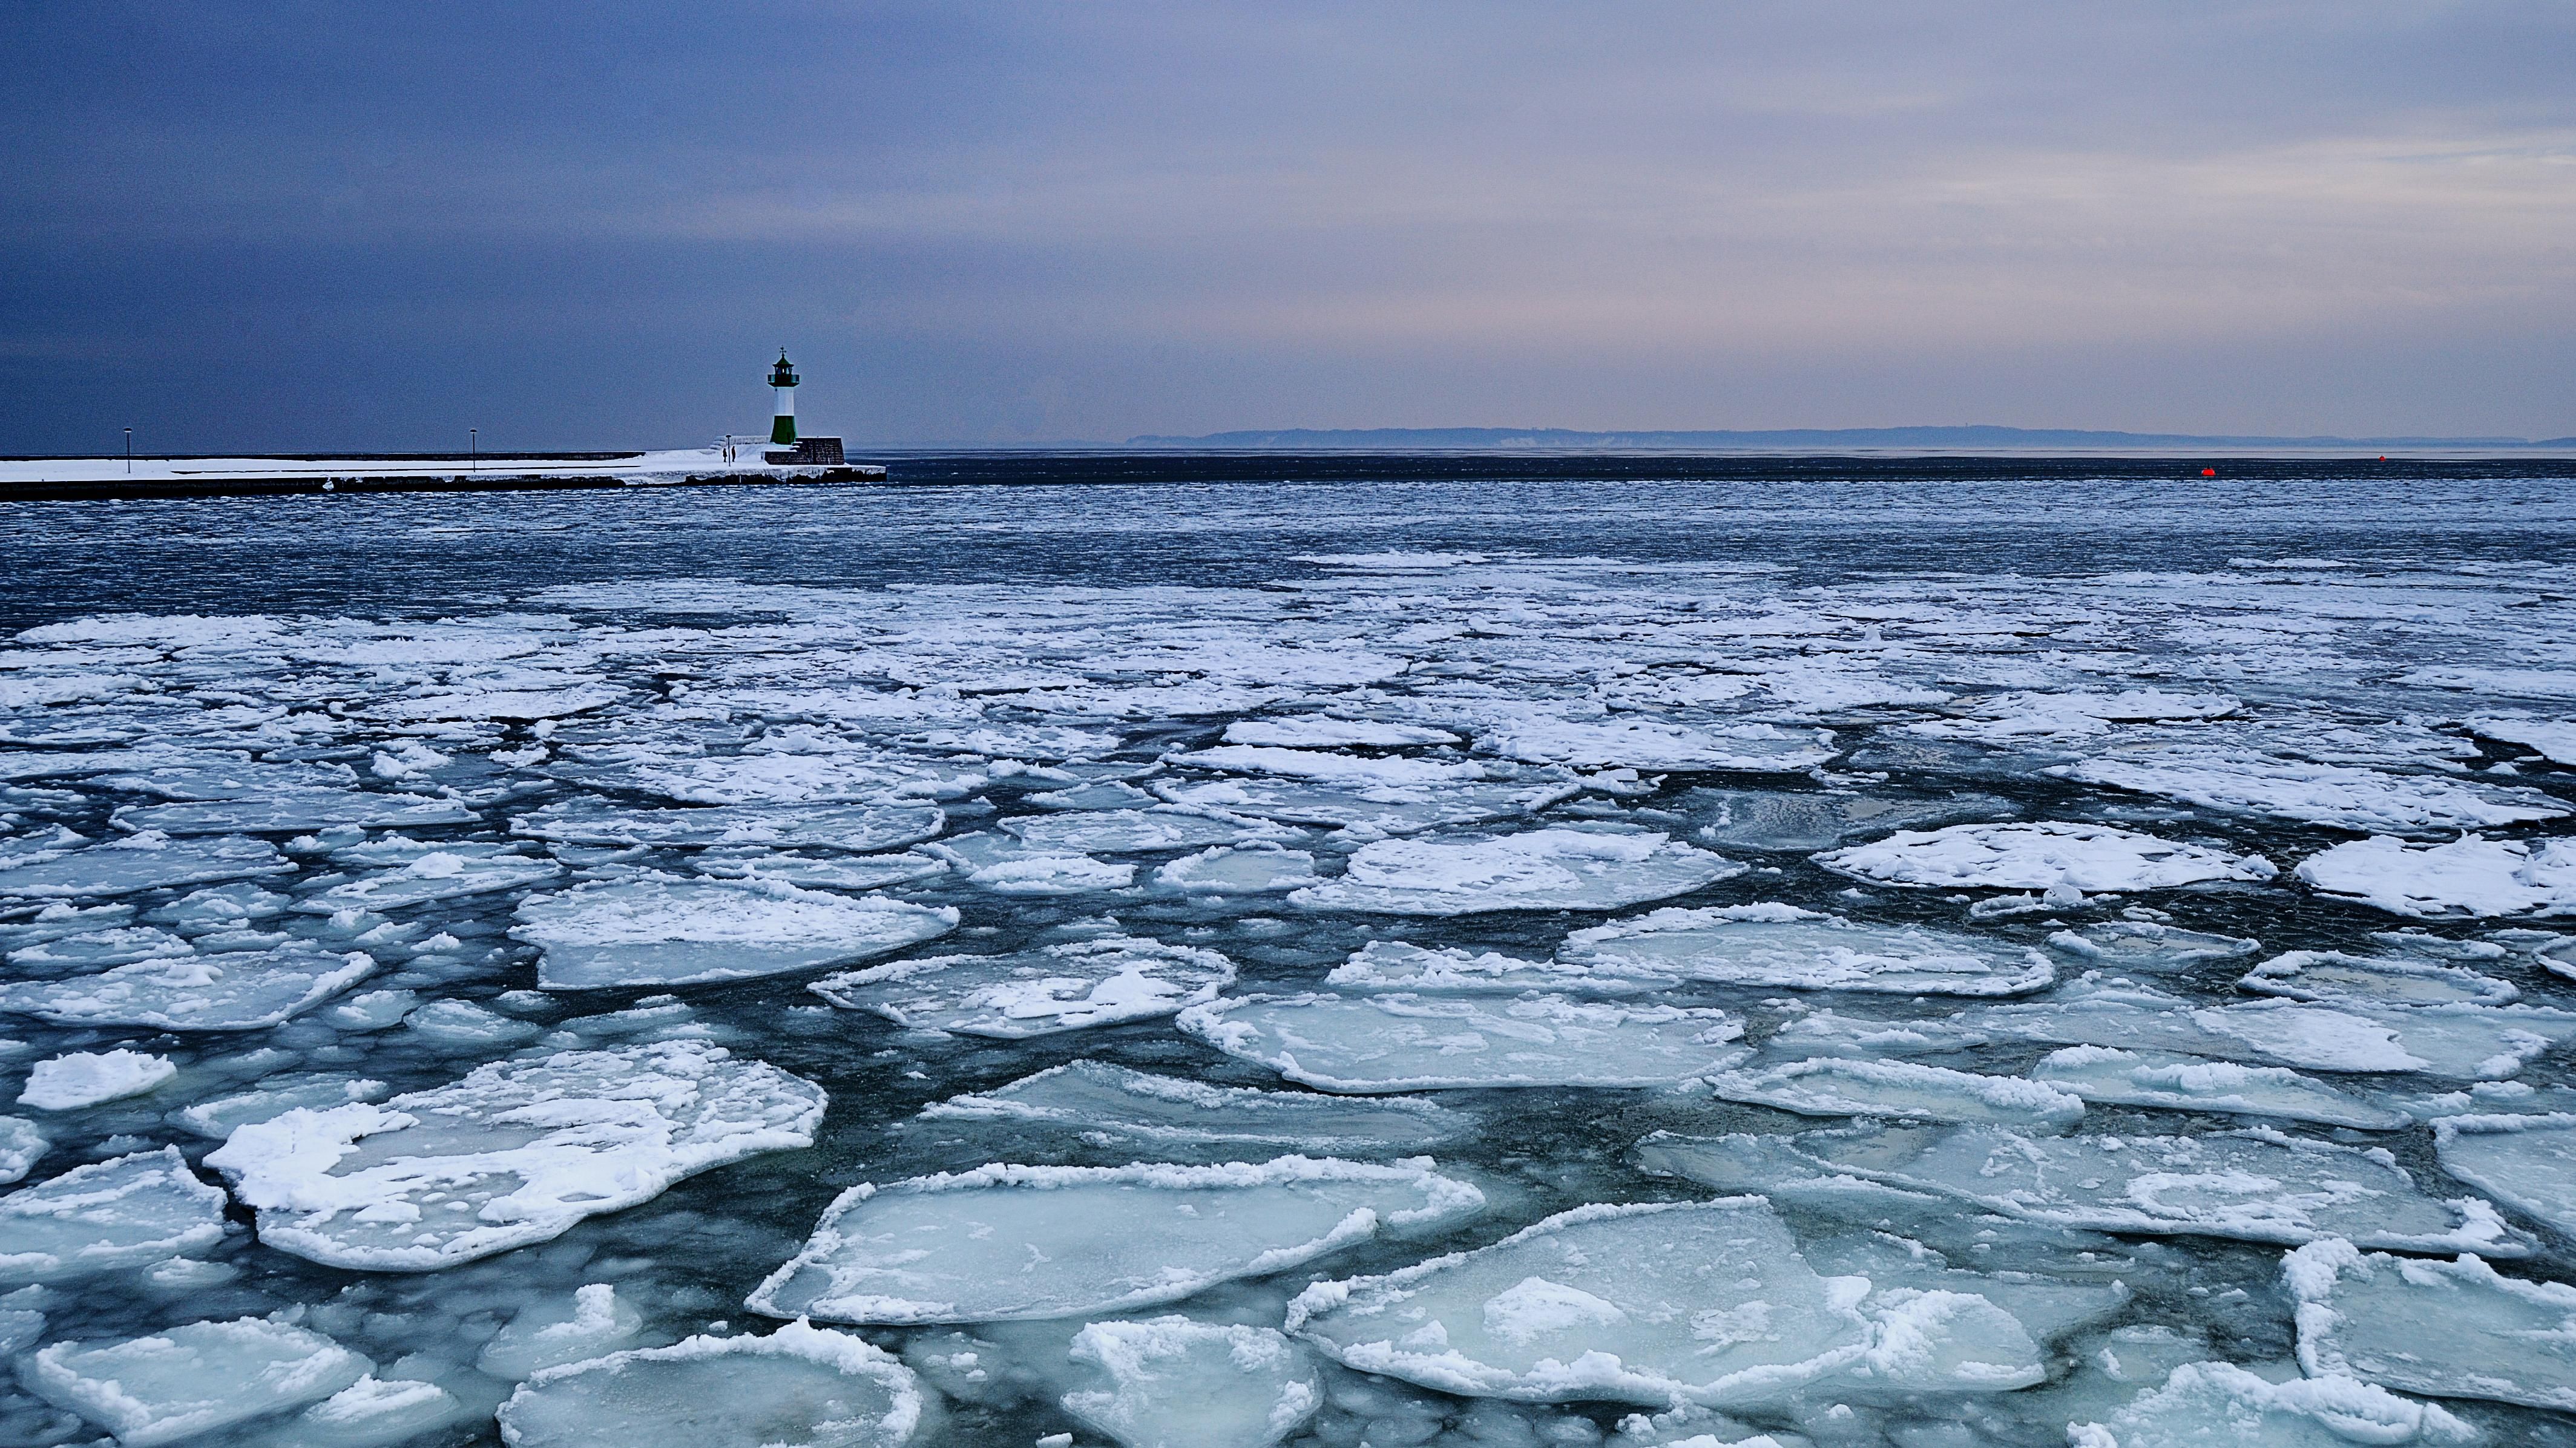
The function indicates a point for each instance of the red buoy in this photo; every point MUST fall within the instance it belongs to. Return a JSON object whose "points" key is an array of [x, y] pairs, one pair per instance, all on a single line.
{"points": [[2209, 472]]}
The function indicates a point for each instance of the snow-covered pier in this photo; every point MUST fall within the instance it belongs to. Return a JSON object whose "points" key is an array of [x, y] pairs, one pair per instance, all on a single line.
{"points": [[210, 477]]}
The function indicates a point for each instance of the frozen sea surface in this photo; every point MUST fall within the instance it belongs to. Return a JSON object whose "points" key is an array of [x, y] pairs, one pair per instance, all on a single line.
{"points": [[1464, 951]]}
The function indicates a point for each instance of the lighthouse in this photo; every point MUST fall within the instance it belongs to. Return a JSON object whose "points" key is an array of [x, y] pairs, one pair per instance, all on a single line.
{"points": [[782, 384]]}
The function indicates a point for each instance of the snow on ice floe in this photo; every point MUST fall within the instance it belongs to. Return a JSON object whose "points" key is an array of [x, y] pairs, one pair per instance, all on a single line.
{"points": [[1245, 870], [775, 778], [1318, 731], [1382, 809], [2330, 975], [1553, 868], [184, 1383], [1379, 1043], [141, 862], [1007, 1242], [1090, 1096], [2456, 1329], [858, 828], [2469, 877], [2319, 794], [1065, 987], [293, 811], [1776, 945], [1650, 744], [118, 1213], [1395, 966], [2188, 1083], [122, 945], [275, 1096], [2122, 946], [1173, 1383], [2207, 1403], [89, 1078], [800, 1385], [1832, 1086], [824, 872], [2254, 1184], [414, 872], [497, 705], [660, 931], [2007, 718], [2040, 856], [515, 1153], [1136, 831], [21, 1145], [1001, 863], [1707, 1303], [2554, 739], [2526, 1162], [1328, 767], [1771, 820], [235, 991], [552, 1332]]}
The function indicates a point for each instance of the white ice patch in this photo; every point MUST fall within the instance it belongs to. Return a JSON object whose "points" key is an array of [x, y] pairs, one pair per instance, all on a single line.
{"points": [[2009, 718], [830, 872], [1774, 945], [2526, 1162], [1250, 870], [1379, 809], [295, 810], [1393, 966], [799, 1387], [95, 948], [118, 1213], [2040, 856], [2188, 1083], [1088, 1096], [663, 932], [187, 1382], [2470, 877], [1066, 987], [1316, 731], [858, 828], [1174, 1383], [2122, 946], [143, 862], [1008, 1242], [592, 1323], [415, 872], [1554, 868], [1135, 831], [2456, 1329], [21, 1145], [236, 991], [2328, 975], [1000, 863], [2319, 794], [274, 1097], [1384, 1043], [1327, 767], [2554, 739], [1772, 820], [2210, 1403], [776, 778], [1830, 1086], [90, 1078], [1651, 744], [515, 1153]]}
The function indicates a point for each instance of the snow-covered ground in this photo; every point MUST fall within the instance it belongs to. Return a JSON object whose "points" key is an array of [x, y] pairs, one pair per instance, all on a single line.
{"points": [[1505, 995]]}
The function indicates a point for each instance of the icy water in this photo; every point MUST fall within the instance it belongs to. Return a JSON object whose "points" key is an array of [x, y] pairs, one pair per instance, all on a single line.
{"points": [[1324, 950]]}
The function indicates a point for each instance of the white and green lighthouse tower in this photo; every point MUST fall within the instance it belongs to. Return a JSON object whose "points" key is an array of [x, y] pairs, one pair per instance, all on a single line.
{"points": [[782, 385]]}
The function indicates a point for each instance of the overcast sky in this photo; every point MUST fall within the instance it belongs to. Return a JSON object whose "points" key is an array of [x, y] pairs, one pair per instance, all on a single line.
{"points": [[310, 226]]}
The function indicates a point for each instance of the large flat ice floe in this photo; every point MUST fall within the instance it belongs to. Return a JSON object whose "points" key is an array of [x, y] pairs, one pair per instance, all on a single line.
{"points": [[2040, 856], [2456, 1329], [798, 1387], [76, 1079], [1005, 1242], [2526, 1162], [1329, 767], [1554, 868], [1417, 1043], [184, 1383], [1783, 946], [664, 932], [1174, 1383], [1831, 1086], [1394, 966], [1136, 831], [2208, 1403], [1653, 744], [859, 828], [2320, 794], [515, 1153], [2465, 879], [1065, 987], [1383, 809], [2188, 1083], [148, 861], [118, 1213], [416, 872], [238, 991], [1092, 1097]]}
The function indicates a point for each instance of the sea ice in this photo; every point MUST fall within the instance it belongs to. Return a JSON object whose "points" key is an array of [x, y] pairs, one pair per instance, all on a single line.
{"points": [[2554, 739], [1767, 820], [1330, 768], [1000, 863], [21, 1144], [2319, 794], [1174, 1383], [372, 1413], [799, 1387], [291, 811], [828, 872], [2122, 946], [2329, 975], [1394, 966], [1135, 831], [421, 872], [1316, 731], [2205, 1404], [589, 820], [275, 1096], [1065, 987], [236, 991], [657, 931], [2040, 856], [91, 949], [1709, 1303], [2456, 1329], [1008, 1242], [1384, 1043], [143, 862], [2469, 877], [123, 1212], [592, 1323], [2188, 1083], [89, 1078], [1829, 1086], [515, 1153], [1249, 870], [1384, 810], [2526, 1162], [1089, 1096], [1773, 945], [1553, 868], [186, 1382]]}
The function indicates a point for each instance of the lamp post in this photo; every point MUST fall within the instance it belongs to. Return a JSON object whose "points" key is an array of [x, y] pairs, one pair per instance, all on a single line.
{"points": [[474, 441], [129, 450]]}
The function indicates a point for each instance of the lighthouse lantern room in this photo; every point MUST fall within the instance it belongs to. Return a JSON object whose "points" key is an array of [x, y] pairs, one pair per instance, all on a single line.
{"points": [[782, 385]]}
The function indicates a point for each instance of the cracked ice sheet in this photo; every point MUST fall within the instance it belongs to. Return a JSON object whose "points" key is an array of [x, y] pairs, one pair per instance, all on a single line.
{"points": [[2457, 1329], [660, 931], [1010, 1242], [1708, 1303], [1065, 987], [189, 1381], [234, 991], [2467, 878], [1553, 868], [118, 1213], [1783, 946], [1384, 1043], [2526, 1162], [2040, 856], [1090, 1096], [515, 1153]]}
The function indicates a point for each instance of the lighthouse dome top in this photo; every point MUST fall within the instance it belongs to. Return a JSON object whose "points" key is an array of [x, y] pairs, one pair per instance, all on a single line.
{"points": [[784, 373]]}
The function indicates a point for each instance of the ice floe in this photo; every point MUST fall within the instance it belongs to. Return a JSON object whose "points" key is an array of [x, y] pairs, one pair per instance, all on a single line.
{"points": [[592, 1323], [859, 828], [123, 1212], [2320, 794], [827, 872], [1318, 731], [2526, 1162], [1173, 1383], [1382, 809], [1064, 987], [1393, 965], [2207, 1403], [798, 1386], [21, 1145], [1248, 870], [2469, 877], [1774, 945], [89, 1078], [515, 1153], [1093, 1097], [1135, 831], [1001, 863], [290, 811], [1006, 1242], [2555, 739], [2189, 1083], [1768, 820], [1831, 1086], [148, 861], [236, 991], [2456, 1329], [664, 932], [1555, 868], [2040, 856], [1651, 744], [1330, 768], [2122, 946], [275, 1096], [2328, 975], [190, 1381], [1381, 1043]]}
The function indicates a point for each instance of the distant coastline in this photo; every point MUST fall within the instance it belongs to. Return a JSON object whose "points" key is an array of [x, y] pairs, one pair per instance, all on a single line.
{"points": [[1800, 439]]}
